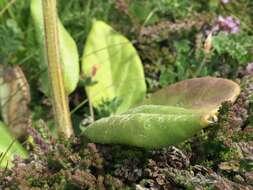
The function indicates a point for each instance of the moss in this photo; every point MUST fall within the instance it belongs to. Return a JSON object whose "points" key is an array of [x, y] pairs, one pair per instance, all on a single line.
{"points": [[220, 156]]}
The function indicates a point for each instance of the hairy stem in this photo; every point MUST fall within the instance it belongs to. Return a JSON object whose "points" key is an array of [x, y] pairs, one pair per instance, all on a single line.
{"points": [[58, 95]]}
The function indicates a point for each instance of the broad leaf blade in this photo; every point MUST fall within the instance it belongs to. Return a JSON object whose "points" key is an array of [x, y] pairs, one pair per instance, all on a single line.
{"points": [[9, 147], [206, 93], [111, 60], [146, 130], [169, 116]]}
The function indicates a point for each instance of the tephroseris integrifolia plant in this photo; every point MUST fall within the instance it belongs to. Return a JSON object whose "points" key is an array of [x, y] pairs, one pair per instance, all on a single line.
{"points": [[58, 94], [169, 116]]}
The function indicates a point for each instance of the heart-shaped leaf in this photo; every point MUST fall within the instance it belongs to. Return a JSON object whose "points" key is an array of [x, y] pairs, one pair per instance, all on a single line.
{"points": [[111, 60], [206, 94]]}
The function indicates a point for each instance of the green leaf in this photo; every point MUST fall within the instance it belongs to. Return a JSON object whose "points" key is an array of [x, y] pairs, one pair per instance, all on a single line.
{"points": [[170, 116], [206, 93], [9, 147], [1, 3], [111, 60], [69, 52], [146, 130]]}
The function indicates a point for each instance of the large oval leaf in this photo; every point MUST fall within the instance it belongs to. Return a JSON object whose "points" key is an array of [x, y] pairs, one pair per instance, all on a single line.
{"points": [[171, 115], [112, 61], [9, 147], [147, 130], [206, 94], [69, 52]]}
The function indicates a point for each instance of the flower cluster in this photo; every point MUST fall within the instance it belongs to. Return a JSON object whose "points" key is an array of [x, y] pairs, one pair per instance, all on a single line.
{"points": [[228, 25]]}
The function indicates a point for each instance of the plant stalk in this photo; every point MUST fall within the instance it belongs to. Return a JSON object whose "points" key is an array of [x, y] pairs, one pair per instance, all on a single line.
{"points": [[58, 94]]}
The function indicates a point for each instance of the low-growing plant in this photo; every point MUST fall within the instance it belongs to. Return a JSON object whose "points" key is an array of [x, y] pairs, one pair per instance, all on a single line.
{"points": [[169, 116]]}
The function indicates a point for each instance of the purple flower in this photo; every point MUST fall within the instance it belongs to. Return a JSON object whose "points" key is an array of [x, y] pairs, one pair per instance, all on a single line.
{"points": [[228, 25], [235, 30], [249, 68], [229, 21]]}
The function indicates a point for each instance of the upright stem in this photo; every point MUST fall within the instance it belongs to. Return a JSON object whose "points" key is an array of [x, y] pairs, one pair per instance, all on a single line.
{"points": [[58, 95]]}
